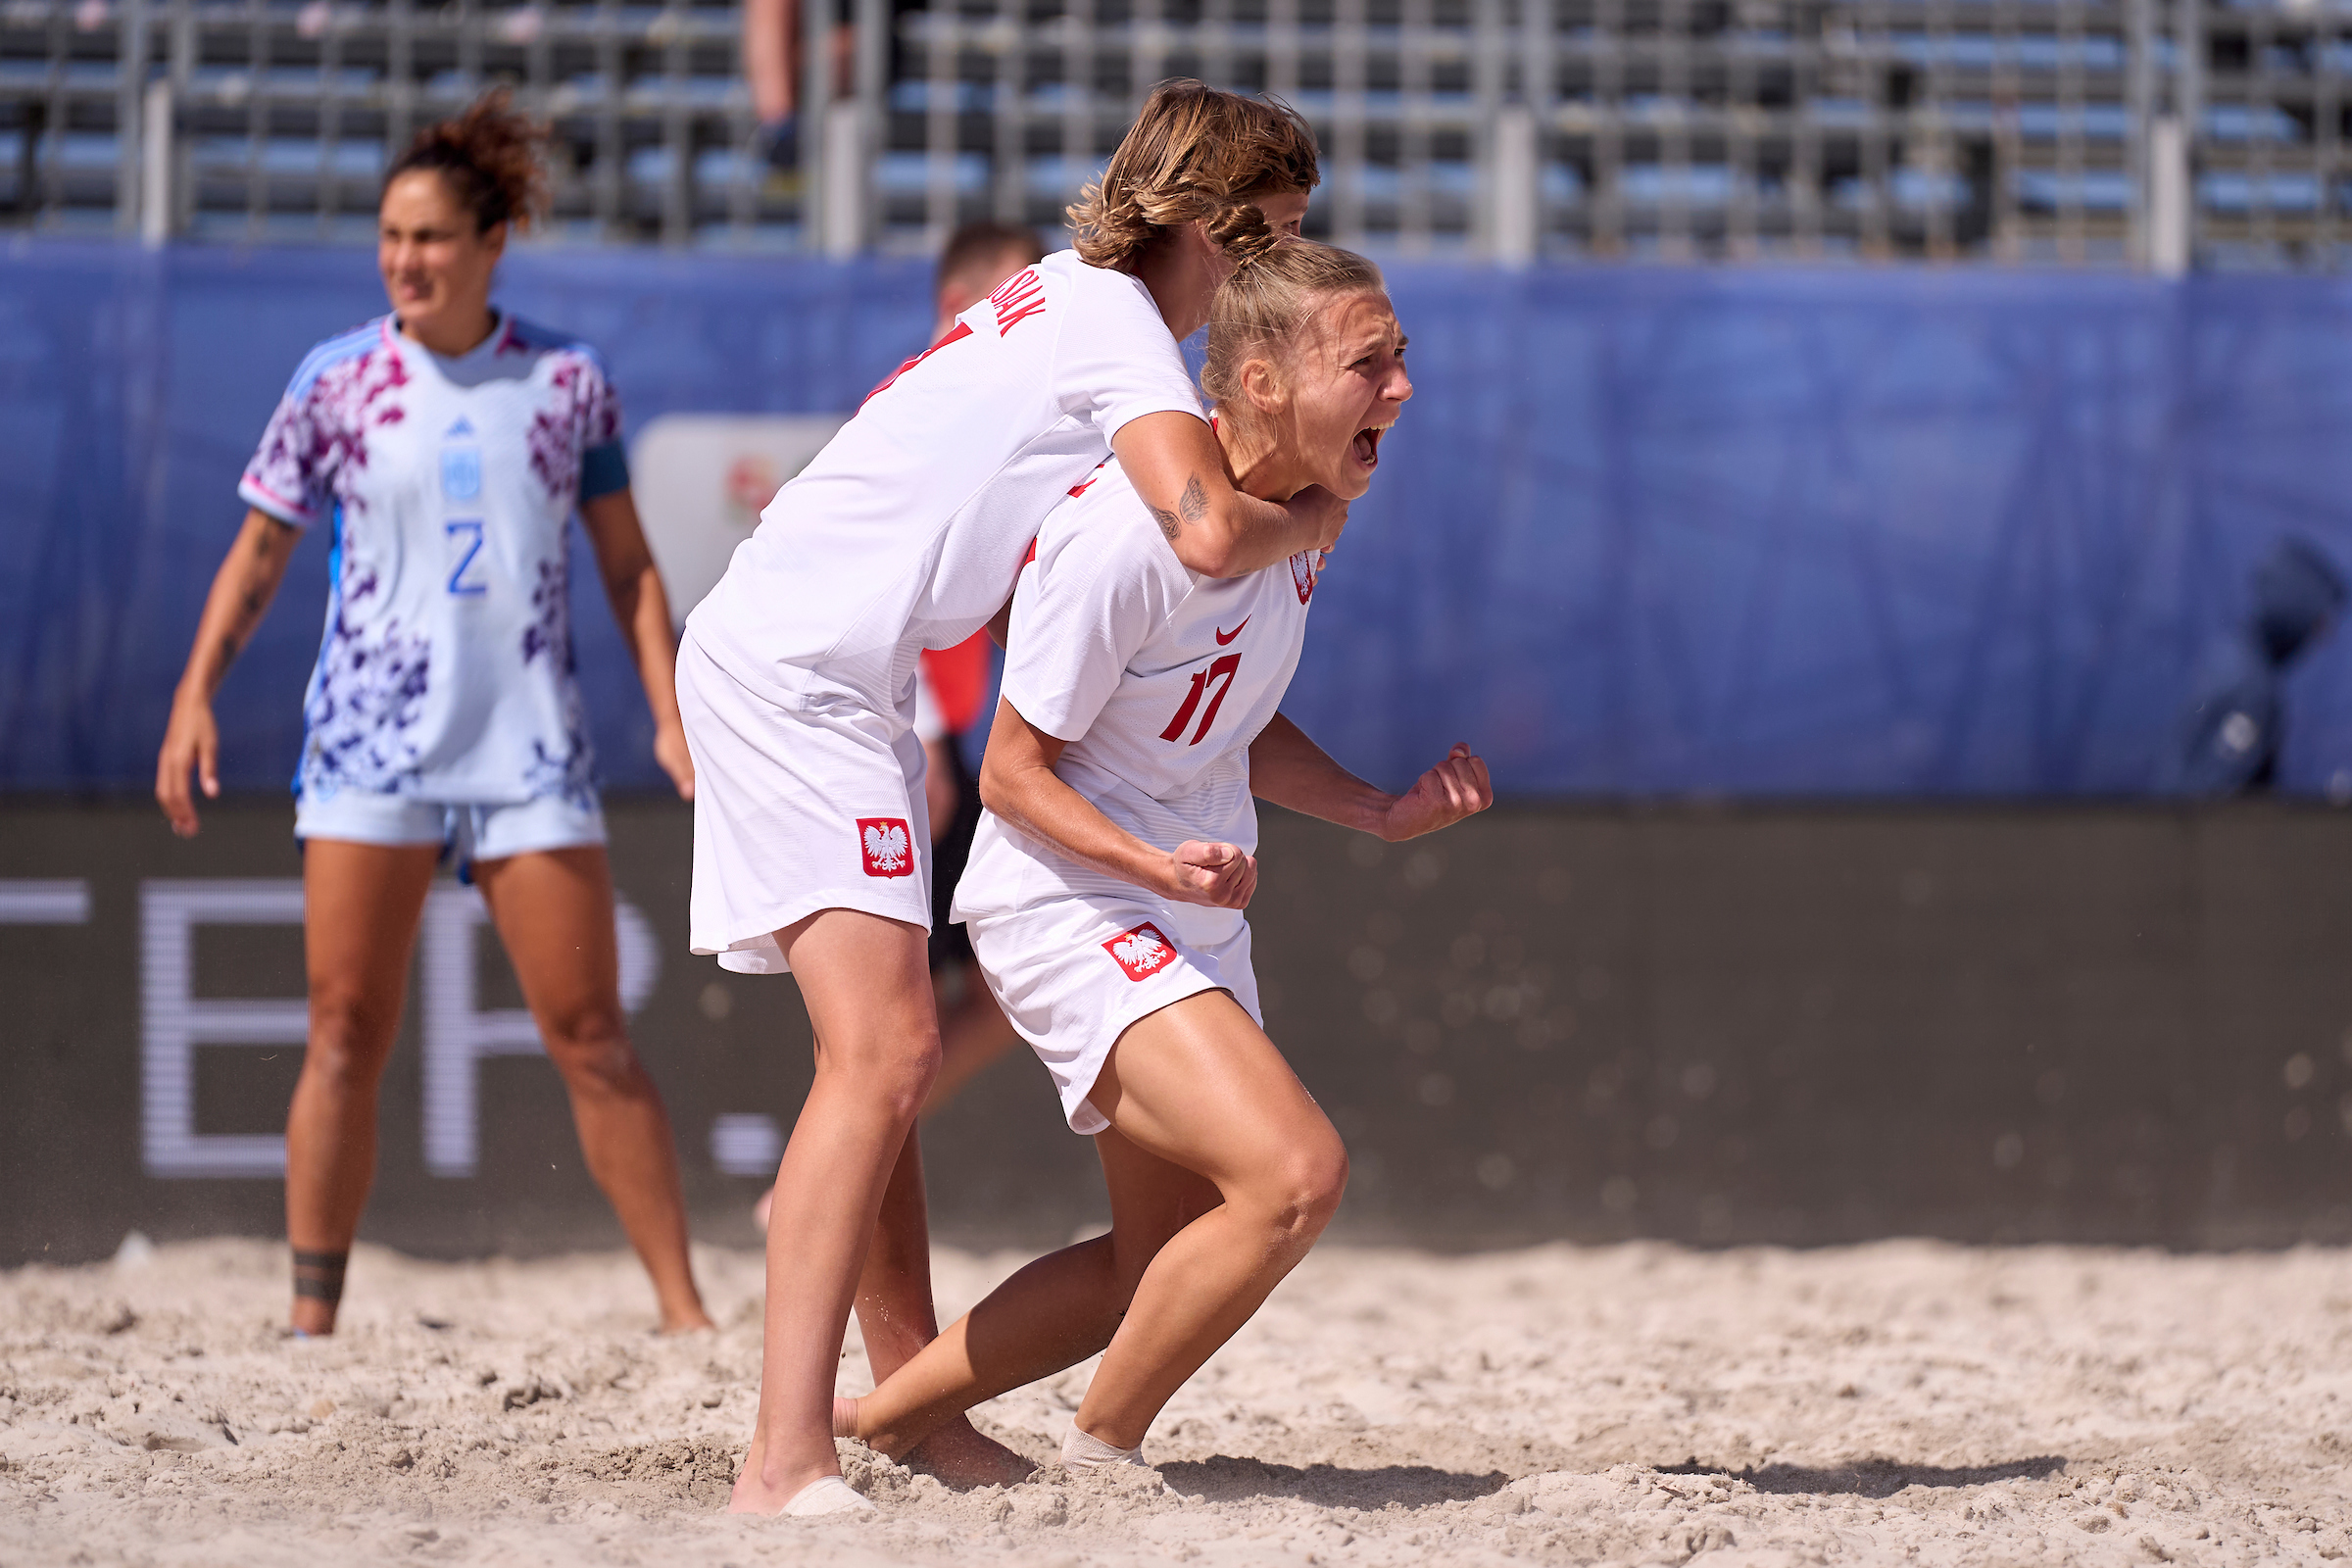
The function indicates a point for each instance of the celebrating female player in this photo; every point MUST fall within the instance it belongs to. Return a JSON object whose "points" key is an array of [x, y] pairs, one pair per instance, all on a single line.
{"points": [[1106, 888], [450, 443], [811, 848]]}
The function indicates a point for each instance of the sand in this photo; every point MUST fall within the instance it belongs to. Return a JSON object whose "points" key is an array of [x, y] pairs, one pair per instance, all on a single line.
{"points": [[1902, 1402]]}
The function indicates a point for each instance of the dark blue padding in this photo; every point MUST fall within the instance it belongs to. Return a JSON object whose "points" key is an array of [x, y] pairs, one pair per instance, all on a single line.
{"points": [[603, 469], [1642, 532]]}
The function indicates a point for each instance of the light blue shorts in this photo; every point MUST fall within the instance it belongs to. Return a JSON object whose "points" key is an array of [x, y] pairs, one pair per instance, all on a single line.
{"points": [[464, 834]]}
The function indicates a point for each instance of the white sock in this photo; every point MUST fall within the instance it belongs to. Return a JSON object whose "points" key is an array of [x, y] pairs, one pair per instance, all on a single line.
{"points": [[832, 1494], [1080, 1452]]}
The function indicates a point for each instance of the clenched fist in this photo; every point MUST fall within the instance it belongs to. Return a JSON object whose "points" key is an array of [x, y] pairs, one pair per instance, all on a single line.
{"points": [[1442, 797], [1219, 875]]}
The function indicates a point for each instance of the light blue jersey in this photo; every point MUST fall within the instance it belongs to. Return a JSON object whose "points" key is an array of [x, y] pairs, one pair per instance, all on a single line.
{"points": [[446, 672]]}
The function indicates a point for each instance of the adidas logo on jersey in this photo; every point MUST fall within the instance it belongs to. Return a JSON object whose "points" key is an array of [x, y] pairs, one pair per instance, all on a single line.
{"points": [[1143, 952], [888, 848]]}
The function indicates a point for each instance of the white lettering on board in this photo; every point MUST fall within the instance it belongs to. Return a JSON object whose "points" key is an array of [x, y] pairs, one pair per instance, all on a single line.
{"points": [[456, 1032]]}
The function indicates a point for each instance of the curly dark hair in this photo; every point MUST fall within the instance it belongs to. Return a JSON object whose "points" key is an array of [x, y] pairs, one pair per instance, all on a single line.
{"points": [[490, 157]]}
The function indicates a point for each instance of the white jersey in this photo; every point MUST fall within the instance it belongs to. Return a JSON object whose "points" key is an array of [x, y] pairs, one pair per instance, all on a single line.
{"points": [[1157, 677], [445, 671], [907, 530]]}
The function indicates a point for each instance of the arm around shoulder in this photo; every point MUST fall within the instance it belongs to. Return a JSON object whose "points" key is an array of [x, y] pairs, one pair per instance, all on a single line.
{"points": [[1178, 469]]}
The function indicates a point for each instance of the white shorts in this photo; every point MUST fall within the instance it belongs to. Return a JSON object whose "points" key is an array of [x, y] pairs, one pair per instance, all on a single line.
{"points": [[466, 833], [1073, 974], [796, 810]]}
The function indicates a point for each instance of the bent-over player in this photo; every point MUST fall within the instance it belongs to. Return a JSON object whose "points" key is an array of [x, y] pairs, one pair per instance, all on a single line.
{"points": [[795, 679]]}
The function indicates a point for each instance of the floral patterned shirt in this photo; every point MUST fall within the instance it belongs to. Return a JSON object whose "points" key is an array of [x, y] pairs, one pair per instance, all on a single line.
{"points": [[446, 672]]}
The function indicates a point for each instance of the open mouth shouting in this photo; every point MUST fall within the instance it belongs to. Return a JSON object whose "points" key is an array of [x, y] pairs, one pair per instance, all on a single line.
{"points": [[1366, 446]]}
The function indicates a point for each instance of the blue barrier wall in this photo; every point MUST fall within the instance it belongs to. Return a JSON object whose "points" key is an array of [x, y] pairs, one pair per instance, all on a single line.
{"points": [[1641, 531]]}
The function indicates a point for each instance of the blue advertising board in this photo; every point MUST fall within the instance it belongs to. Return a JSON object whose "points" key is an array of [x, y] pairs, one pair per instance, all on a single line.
{"points": [[1642, 532]]}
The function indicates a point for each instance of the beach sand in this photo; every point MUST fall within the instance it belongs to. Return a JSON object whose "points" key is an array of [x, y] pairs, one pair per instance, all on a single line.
{"points": [[1895, 1402]]}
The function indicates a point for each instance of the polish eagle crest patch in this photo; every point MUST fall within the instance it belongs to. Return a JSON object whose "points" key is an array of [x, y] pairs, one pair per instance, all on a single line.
{"points": [[887, 846], [1143, 951]]}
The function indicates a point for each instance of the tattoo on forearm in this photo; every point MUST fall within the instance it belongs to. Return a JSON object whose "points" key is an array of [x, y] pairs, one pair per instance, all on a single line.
{"points": [[254, 601], [248, 615], [239, 629], [1166, 522], [1195, 502]]}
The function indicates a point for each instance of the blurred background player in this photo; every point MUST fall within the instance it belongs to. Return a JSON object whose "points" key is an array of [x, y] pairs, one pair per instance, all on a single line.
{"points": [[449, 444], [951, 696], [951, 688], [2235, 722]]}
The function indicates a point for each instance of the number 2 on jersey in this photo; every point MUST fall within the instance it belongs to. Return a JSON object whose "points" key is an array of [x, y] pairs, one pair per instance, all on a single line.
{"points": [[1223, 670], [466, 543]]}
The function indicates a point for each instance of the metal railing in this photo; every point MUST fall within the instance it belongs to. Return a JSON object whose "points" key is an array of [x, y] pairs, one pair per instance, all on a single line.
{"points": [[2157, 133]]}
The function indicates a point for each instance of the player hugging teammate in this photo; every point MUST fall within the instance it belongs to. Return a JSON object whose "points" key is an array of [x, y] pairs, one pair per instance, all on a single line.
{"points": [[812, 845], [1106, 885], [1159, 621]]}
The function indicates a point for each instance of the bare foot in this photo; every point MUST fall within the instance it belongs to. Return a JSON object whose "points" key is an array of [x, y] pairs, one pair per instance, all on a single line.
{"points": [[961, 1458], [311, 1317], [766, 1494], [696, 1321]]}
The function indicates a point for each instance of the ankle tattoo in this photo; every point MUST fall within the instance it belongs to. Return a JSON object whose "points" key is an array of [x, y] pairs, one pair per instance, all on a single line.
{"points": [[318, 1276]]}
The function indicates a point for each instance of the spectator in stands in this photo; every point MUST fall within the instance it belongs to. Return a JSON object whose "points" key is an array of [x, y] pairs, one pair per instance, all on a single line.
{"points": [[771, 68], [773, 41], [2233, 726]]}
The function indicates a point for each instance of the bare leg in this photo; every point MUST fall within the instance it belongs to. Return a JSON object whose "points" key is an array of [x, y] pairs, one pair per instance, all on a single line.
{"points": [[897, 1318], [868, 994], [972, 1034], [772, 56], [1199, 1084], [553, 911], [1194, 1088], [1051, 1314], [361, 904]]}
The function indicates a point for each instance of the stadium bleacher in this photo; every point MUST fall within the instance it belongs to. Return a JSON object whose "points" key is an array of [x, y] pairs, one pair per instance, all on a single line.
{"points": [[2023, 131]]}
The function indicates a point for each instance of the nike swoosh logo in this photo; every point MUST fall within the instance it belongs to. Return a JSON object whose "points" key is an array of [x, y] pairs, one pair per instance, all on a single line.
{"points": [[1225, 637]]}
